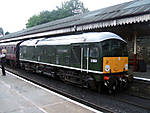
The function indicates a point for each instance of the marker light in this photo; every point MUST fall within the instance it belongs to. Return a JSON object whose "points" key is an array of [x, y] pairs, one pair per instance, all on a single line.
{"points": [[126, 66], [107, 68]]}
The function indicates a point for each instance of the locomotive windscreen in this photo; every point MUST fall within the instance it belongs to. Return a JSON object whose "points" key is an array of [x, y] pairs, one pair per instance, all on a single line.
{"points": [[114, 48]]}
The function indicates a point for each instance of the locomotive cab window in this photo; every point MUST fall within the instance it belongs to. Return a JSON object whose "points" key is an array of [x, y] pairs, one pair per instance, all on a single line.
{"points": [[118, 48], [124, 49], [111, 48], [115, 48], [106, 48]]}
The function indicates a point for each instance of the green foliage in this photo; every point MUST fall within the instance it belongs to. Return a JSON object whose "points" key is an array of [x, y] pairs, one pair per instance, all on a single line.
{"points": [[33, 21], [73, 7], [7, 33], [1, 31], [69, 8]]}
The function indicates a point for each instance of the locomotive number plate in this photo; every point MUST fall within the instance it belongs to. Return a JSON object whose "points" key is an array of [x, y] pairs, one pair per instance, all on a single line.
{"points": [[94, 60]]}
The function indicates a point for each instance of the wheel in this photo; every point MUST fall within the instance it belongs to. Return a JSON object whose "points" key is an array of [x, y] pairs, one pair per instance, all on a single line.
{"points": [[114, 87], [110, 91]]}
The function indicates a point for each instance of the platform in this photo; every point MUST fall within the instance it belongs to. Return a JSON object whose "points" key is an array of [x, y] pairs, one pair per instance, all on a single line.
{"points": [[20, 96], [143, 75]]}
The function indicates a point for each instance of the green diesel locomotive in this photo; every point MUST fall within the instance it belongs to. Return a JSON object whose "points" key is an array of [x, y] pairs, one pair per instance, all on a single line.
{"points": [[89, 59]]}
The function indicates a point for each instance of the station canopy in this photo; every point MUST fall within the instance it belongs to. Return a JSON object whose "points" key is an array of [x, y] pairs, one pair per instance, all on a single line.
{"points": [[122, 14]]}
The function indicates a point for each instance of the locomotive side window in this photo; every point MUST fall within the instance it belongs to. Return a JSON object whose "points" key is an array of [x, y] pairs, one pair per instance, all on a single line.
{"points": [[24, 50], [76, 55], [94, 52], [85, 52], [62, 51], [62, 56], [44, 51]]}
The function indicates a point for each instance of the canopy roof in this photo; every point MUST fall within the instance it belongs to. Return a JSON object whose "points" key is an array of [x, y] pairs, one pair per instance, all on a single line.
{"points": [[126, 13]]}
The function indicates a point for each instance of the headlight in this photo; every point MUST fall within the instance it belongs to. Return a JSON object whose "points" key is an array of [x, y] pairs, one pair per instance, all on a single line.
{"points": [[126, 66], [107, 68]]}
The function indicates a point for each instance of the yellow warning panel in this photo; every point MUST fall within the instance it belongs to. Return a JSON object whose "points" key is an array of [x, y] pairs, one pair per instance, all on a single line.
{"points": [[115, 64]]}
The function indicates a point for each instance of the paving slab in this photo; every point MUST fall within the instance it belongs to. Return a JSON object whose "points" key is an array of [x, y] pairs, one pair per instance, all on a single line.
{"points": [[20, 96]]}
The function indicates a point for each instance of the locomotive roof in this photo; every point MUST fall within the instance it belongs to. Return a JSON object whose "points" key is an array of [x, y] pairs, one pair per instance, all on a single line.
{"points": [[67, 40], [31, 42]]}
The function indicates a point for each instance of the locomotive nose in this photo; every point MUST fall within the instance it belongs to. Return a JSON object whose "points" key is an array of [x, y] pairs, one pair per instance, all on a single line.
{"points": [[115, 64]]}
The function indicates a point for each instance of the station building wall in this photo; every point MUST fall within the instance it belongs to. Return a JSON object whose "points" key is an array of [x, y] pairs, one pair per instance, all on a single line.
{"points": [[143, 48]]}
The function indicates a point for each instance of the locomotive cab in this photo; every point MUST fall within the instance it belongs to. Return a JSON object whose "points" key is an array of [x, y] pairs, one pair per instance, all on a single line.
{"points": [[115, 63], [107, 61]]}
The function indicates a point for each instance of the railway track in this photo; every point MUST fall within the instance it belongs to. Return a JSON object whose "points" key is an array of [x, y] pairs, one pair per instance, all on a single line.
{"points": [[138, 101], [140, 88], [124, 99], [100, 108]]}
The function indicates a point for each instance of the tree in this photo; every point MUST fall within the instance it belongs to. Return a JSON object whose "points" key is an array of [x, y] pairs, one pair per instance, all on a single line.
{"points": [[73, 7], [33, 21], [7, 33], [69, 8], [1, 31]]}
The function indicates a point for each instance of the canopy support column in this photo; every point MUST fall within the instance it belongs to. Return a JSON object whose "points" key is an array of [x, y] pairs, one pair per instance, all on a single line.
{"points": [[135, 52]]}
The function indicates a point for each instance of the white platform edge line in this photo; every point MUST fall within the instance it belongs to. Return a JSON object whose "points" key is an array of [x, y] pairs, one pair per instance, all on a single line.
{"points": [[75, 102], [140, 78]]}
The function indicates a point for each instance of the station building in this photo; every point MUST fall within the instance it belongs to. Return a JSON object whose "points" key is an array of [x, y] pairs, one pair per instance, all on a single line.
{"points": [[131, 20]]}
